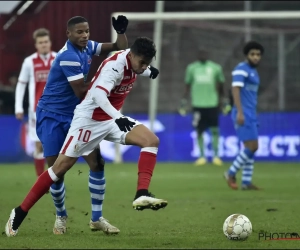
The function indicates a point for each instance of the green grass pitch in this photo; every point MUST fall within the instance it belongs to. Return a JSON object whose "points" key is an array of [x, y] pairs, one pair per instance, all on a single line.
{"points": [[199, 202]]}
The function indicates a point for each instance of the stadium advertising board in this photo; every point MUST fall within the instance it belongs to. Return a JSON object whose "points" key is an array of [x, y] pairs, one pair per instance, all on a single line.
{"points": [[279, 139]]}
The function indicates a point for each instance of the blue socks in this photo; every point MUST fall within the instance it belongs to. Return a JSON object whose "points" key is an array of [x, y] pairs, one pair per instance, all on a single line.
{"points": [[245, 160], [57, 191], [97, 190], [248, 172]]}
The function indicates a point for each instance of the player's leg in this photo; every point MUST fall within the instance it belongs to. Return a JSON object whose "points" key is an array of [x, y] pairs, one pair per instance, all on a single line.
{"points": [[249, 166], [247, 134], [213, 122], [97, 190], [58, 194], [200, 126], [39, 160], [42, 185], [52, 129], [141, 136], [38, 156]]}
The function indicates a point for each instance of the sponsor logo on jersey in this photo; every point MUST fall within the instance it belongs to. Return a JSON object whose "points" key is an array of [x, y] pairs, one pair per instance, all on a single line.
{"points": [[41, 75], [123, 89]]}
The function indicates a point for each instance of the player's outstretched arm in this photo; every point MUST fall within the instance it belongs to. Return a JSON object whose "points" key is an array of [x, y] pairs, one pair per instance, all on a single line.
{"points": [[120, 26]]}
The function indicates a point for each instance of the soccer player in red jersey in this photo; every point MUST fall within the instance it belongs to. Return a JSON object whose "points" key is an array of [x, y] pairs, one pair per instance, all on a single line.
{"points": [[98, 118], [35, 70]]}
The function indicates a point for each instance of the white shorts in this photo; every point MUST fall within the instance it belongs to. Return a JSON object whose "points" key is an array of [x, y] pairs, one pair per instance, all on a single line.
{"points": [[85, 135], [32, 127]]}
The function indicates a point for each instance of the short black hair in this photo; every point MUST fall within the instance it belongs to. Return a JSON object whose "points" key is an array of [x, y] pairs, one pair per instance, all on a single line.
{"points": [[144, 46], [75, 20], [253, 45]]}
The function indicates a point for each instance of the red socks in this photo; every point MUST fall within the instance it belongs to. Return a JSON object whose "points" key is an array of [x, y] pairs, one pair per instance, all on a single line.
{"points": [[39, 163], [146, 166], [40, 187], [39, 166]]}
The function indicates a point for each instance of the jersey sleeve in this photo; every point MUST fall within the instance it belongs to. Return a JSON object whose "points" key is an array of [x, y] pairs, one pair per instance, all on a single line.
{"points": [[108, 77], [95, 47], [188, 75], [220, 75], [239, 75], [25, 72], [71, 66]]}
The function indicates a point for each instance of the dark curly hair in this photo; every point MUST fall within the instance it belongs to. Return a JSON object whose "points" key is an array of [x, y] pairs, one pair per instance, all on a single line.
{"points": [[144, 46], [253, 45], [75, 20]]}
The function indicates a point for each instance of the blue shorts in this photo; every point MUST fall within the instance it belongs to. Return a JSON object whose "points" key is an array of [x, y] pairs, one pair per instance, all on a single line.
{"points": [[248, 131], [52, 129]]}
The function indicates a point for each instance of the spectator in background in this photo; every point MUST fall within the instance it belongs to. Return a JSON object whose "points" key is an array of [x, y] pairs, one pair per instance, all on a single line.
{"points": [[7, 94]]}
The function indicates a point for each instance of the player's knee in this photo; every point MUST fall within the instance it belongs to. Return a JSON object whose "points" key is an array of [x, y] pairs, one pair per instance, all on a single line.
{"points": [[253, 147], [150, 141], [153, 141], [62, 165], [200, 131]]}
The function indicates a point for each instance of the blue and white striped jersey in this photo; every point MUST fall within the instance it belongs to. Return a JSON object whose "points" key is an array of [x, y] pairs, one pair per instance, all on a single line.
{"points": [[247, 78], [70, 64]]}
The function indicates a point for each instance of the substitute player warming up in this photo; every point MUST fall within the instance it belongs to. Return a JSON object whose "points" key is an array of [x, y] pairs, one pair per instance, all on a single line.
{"points": [[35, 70], [98, 118], [245, 85]]}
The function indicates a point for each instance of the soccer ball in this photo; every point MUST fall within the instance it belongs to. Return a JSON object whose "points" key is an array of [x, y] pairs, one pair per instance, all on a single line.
{"points": [[237, 227]]}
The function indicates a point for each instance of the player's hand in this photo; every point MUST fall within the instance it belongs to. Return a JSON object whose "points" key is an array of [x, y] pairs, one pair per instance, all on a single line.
{"points": [[124, 124], [120, 24], [182, 110], [240, 118], [226, 108], [154, 72], [20, 116]]}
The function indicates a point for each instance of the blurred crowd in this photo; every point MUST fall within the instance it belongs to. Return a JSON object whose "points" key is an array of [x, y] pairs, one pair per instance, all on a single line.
{"points": [[7, 95]]}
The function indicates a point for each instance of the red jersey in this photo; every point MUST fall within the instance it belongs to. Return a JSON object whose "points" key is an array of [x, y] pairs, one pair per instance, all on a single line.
{"points": [[115, 77]]}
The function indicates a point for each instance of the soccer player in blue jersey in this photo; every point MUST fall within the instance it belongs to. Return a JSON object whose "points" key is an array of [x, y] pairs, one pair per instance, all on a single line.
{"points": [[245, 84], [66, 87]]}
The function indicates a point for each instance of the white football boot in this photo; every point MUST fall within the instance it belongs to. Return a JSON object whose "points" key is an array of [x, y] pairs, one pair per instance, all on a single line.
{"points": [[103, 225], [148, 202], [60, 225], [8, 227]]}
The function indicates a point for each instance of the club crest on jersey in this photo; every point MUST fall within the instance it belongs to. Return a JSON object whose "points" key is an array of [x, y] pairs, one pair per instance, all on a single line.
{"points": [[89, 60], [123, 89]]}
